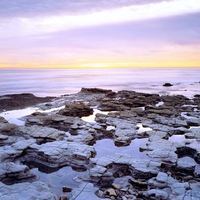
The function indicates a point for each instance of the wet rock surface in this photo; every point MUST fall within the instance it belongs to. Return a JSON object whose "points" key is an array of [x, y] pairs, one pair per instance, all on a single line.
{"points": [[17, 101], [35, 190], [76, 110], [58, 134]]}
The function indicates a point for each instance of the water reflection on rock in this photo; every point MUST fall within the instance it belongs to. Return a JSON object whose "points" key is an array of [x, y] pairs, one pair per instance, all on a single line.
{"points": [[137, 145], [107, 146]]}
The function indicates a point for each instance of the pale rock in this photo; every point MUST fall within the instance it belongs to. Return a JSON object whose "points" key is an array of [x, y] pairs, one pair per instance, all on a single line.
{"points": [[111, 192], [162, 149], [36, 131], [10, 172], [85, 191], [3, 137], [159, 194], [25, 191], [179, 188], [97, 170], [23, 144], [183, 164], [162, 177], [60, 153], [156, 135]]}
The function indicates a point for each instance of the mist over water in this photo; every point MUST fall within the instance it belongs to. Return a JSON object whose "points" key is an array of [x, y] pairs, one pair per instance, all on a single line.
{"points": [[56, 82]]}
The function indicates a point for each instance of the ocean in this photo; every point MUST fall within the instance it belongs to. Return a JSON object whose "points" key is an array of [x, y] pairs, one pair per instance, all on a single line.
{"points": [[56, 82]]}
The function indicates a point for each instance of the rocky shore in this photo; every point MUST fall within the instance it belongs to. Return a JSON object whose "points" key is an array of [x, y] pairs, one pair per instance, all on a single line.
{"points": [[59, 134]]}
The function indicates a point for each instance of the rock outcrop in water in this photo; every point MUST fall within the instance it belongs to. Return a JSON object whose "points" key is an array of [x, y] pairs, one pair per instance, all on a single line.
{"points": [[19, 101], [58, 136], [76, 110], [167, 85]]}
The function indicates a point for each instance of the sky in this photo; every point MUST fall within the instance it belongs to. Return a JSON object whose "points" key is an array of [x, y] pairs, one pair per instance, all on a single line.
{"points": [[99, 34]]}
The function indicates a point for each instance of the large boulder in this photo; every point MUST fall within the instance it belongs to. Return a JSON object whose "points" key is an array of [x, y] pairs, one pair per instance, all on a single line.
{"points": [[76, 109]]}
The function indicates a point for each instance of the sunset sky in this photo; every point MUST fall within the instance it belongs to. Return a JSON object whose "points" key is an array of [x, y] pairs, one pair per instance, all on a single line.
{"points": [[95, 34]]}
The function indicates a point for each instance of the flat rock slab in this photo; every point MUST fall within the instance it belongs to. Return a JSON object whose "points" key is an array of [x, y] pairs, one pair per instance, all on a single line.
{"points": [[42, 132], [86, 191], [109, 165], [60, 153], [162, 149], [11, 173], [26, 191]]}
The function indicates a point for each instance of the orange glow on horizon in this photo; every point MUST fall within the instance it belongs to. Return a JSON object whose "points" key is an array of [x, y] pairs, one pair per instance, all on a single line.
{"points": [[104, 66], [167, 56], [134, 35], [184, 60]]}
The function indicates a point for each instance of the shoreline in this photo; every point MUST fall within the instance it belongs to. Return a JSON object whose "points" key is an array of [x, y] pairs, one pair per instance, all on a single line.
{"points": [[59, 82], [164, 128]]}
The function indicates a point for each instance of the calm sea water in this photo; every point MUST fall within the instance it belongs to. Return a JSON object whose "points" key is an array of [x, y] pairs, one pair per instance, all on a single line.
{"points": [[55, 82]]}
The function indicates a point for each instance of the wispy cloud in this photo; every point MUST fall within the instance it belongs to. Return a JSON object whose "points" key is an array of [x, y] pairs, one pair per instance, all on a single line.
{"points": [[29, 8], [39, 17], [88, 31]]}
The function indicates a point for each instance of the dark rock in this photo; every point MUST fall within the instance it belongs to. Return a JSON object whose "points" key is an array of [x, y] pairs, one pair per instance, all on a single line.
{"points": [[67, 189], [107, 105], [138, 183], [76, 109], [197, 99], [122, 141], [162, 110], [125, 100], [183, 166], [57, 121], [111, 192], [20, 101], [186, 151], [197, 158], [7, 128], [63, 198], [95, 90], [175, 100], [167, 85]]}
